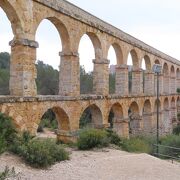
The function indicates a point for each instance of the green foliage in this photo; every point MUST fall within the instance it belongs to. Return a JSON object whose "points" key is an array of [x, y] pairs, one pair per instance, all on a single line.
{"points": [[85, 119], [86, 81], [46, 123], [7, 132], [136, 144], [91, 138], [4, 60], [114, 137], [173, 141], [178, 90], [112, 83], [47, 79], [20, 142], [4, 73], [8, 173], [176, 130], [43, 153]]}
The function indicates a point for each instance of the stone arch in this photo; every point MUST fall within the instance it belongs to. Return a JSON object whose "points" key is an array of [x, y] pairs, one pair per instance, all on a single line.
{"points": [[172, 82], [178, 109], [157, 61], [118, 51], [166, 118], [62, 30], [92, 115], [115, 114], [178, 73], [61, 117], [13, 18], [173, 115], [135, 123], [177, 79], [96, 44], [166, 78], [117, 121], [165, 69], [147, 117], [147, 63], [135, 60], [157, 102], [172, 73]]}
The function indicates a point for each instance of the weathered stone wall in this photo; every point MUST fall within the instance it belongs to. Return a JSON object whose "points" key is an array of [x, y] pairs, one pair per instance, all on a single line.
{"points": [[26, 108]]}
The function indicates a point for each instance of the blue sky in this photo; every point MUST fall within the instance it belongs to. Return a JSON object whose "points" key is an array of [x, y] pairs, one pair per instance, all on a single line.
{"points": [[156, 22]]}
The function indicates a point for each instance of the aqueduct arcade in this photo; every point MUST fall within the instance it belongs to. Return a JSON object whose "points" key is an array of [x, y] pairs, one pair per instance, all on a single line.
{"points": [[134, 111]]}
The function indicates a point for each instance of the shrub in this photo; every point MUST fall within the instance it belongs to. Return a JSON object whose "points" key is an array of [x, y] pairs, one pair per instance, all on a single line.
{"points": [[176, 130], [173, 141], [20, 143], [7, 132], [8, 173], [3, 145], [136, 144], [92, 138], [43, 153], [178, 90], [114, 137]]}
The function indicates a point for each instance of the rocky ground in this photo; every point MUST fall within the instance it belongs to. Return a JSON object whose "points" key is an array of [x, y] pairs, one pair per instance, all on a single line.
{"points": [[106, 164]]}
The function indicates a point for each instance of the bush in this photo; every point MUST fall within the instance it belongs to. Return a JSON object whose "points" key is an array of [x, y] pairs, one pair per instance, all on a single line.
{"points": [[43, 153], [176, 130], [7, 132], [136, 144], [173, 141], [92, 138], [8, 173], [114, 137], [178, 90], [20, 142]]}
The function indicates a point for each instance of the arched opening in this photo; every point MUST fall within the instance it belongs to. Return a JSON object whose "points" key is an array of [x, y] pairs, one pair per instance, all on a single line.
{"points": [[115, 117], [90, 42], [155, 77], [50, 33], [6, 35], [134, 73], [178, 109], [166, 119], [166, 78], [147, 117], [54, 120], [134, 119], [154, 124], [178, 80], [146, 68], [115, 57], [130, 68], [91, 117], [172, 80], [173, 116]]}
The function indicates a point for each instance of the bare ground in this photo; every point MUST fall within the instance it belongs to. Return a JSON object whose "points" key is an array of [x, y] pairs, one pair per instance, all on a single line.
{"points": [[106, 164]]}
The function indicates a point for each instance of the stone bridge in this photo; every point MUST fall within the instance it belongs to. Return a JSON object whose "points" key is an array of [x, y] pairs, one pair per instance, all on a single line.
{"points": [[133, 111]]}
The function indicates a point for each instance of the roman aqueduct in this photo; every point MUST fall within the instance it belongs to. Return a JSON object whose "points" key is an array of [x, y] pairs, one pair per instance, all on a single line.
{"points": [[135, 110]]}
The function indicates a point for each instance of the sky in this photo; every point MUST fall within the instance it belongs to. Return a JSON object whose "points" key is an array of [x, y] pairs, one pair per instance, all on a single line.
{"points": [[156, 22]]}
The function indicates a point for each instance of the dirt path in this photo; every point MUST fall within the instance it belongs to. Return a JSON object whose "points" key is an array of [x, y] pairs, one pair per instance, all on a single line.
{"points": [[107, 164]]}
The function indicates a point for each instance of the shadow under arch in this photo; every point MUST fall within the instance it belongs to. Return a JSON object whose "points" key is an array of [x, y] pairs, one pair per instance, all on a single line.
{"points": [[91, 117], [166, 116], [115, 114], [134, 119], [166, 78], [147, 117], [13, 18], [58, 114]]}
